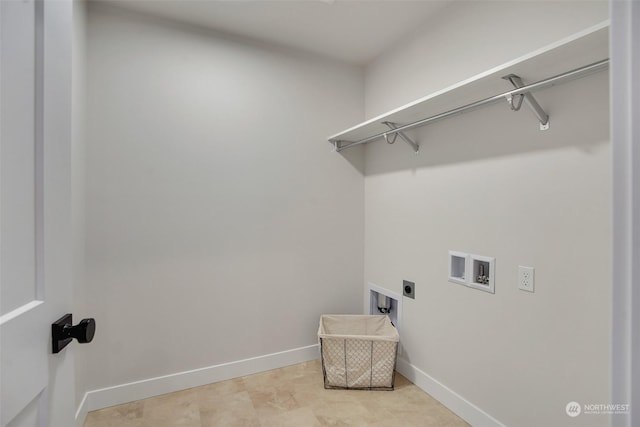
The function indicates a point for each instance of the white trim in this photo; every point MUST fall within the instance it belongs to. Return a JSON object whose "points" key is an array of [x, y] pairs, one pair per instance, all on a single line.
{"points": [[124, 393], [19, 311], [81, 413], [449, 398], [625, 138]]}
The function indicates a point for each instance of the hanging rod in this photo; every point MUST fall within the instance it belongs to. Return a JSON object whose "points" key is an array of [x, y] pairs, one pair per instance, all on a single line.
{"points": [[548, 82]]}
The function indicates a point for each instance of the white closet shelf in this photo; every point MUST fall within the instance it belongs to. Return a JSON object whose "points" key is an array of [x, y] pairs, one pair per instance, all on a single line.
{"points": [[569, 58]]}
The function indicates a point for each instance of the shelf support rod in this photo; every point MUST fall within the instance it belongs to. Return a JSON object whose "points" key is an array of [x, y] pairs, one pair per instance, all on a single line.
{"points": [[551, 81], [403, 136], [542, 116]]}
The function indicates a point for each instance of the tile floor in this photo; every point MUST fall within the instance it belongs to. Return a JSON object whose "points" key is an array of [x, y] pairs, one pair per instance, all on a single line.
{"points": [[292, 396]]}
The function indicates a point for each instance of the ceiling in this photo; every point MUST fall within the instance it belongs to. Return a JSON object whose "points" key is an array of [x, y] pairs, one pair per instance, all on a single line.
{"points": [[347, 30]]}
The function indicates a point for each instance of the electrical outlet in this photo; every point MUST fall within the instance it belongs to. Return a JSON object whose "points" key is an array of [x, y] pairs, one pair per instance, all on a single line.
{"points": [[525, 278], [409, 289]]}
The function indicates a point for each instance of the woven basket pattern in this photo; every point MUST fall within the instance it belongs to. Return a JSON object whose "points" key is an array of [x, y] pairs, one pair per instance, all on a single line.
{"points": [[358, 363]]}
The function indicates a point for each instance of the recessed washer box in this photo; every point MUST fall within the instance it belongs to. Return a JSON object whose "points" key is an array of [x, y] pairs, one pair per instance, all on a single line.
{"points": [[458, 267], [372, 300], [482, 273], [474, 271]]}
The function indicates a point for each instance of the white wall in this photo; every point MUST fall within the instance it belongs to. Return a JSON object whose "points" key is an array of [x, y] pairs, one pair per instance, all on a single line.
{"points": [[490, 183], [219, 224]]}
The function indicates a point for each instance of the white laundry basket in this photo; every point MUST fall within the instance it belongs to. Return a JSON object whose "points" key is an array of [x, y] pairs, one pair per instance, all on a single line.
{"points": [[358, 351]]}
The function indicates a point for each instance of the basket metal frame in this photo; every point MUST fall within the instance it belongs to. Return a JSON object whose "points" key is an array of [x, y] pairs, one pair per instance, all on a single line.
{"points": [[346, 387]]}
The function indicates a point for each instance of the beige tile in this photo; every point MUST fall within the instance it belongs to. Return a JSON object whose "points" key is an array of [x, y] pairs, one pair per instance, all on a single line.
{"points": [[408, 398], [347, 413], [127, 411], [273, 400], [222, 387], [228, 410], [209, 396], [308, 394], [444, 417], [115, 423], [304, 373], [420, 418], [301, 417], [375, 411], [232, 421], [291, 396], [127, 415], [264, 379], [170, 399], [174, 409], [215, 402]]}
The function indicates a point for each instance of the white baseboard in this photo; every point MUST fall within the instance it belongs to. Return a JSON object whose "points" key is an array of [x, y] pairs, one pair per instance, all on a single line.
{"points": [[81, 413], [449, 398], [124, 393]]}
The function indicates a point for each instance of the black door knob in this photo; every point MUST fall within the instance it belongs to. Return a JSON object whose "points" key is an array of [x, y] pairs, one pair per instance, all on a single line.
{"points": [[63, 332], [83, 331]]}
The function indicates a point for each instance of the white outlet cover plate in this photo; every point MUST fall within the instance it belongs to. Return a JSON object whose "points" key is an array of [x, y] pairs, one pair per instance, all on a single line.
{"points": [[526, 277]]}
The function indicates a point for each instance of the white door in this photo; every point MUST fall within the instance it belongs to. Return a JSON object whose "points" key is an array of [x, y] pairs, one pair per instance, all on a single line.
{"points": [[35, 262]]}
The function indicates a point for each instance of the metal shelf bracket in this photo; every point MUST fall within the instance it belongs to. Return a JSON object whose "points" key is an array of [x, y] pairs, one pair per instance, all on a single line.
{"points": [[520, 89], [528, 98], [403, 136]]}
